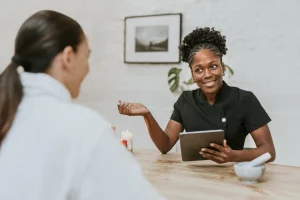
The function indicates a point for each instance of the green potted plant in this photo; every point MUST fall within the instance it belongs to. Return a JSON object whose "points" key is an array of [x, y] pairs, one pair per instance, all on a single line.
{"points": [[175, 84]]}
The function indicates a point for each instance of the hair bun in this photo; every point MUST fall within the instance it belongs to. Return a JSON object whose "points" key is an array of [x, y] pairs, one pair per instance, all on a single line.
{"points": [[201, 36]]}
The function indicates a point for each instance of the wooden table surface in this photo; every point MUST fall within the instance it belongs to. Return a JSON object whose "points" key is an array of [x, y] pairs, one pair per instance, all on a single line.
{"points": [[207, 180]]}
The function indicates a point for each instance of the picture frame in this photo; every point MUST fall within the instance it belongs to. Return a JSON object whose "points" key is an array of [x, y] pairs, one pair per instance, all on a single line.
{"points": [[152, 39]]}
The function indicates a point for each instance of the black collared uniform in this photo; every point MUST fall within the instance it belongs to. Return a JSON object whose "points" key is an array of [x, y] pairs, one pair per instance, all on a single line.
{"points": [[237, 112]]}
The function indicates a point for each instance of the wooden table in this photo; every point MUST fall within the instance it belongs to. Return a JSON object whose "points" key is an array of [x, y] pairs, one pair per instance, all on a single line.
{"points": [[175, 179]]}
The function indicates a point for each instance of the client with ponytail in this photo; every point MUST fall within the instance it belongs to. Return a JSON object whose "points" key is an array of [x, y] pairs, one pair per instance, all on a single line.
{"points": [[51, 148]]}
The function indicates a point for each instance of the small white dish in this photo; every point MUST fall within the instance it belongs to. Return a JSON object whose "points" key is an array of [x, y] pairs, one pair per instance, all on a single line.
{"points": [[248, 174]]}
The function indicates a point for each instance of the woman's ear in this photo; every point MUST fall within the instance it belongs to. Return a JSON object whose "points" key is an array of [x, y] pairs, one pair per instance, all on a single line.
{"points": [[67, 57]]}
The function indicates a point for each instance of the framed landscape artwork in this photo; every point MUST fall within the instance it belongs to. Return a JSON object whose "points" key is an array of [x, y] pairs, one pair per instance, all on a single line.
{"points": [[152, 39]]}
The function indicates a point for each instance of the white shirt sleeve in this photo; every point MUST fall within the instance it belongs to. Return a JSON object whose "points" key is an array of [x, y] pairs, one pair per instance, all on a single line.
{"points": [[113, 174]]}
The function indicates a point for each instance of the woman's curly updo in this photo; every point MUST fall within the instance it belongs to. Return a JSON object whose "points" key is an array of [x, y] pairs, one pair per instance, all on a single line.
{"points": [[200, 39]]}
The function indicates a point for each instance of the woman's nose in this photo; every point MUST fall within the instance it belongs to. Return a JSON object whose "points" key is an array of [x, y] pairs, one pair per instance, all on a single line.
{"points": [[207, 73]]}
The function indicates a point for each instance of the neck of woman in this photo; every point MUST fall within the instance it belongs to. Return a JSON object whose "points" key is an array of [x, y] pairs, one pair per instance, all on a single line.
{"points": [[211, 98]]}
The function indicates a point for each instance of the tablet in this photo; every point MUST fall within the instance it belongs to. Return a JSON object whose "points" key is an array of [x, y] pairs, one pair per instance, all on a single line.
{"points": [[192, 142]]}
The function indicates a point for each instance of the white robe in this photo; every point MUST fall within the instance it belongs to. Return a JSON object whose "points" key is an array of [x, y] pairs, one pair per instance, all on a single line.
{"points": [[58, 150]]}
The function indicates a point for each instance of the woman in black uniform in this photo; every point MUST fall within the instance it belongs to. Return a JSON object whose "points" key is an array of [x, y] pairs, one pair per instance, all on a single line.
{"points": [[214, 105]]}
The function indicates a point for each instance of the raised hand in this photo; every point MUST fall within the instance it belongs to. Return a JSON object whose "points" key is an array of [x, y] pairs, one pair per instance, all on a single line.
{"points": [[132, 109]]}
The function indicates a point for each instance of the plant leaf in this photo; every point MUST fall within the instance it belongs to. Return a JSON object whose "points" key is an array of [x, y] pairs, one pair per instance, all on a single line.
{"points": [[174, 70], [174, 87], [171, 79], [189, 82], [174, 78], [231, 72]]}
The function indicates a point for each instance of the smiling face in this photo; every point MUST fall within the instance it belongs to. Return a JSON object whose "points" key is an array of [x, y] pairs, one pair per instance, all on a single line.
{"points": [[207, 71]]}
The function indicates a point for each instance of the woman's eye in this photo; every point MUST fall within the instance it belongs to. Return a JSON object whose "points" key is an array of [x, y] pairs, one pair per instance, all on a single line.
{"points": [[213, 66], [198, 70]]}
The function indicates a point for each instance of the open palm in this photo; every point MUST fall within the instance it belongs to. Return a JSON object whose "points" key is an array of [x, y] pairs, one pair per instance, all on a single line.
{"points": [[132, 109]]}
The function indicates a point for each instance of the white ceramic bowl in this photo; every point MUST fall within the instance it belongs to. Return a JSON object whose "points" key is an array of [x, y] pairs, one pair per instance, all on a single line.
{"points": [[249, 174]]}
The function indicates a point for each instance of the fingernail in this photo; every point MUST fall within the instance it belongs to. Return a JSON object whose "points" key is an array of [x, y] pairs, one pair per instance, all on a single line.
{"points": [[202, 149], [119, 102], [212, 145], [201, 153]]}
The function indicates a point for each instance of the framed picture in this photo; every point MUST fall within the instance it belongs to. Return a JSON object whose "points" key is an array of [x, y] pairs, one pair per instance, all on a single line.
{"points": [[152, 39]]}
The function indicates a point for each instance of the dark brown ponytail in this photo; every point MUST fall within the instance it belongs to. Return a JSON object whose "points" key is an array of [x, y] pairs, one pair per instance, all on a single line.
{"points": [[40, 39], [11, 93]]}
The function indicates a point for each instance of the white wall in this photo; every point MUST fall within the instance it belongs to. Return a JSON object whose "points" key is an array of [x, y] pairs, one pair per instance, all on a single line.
{"points": [[263, 42]]}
